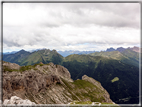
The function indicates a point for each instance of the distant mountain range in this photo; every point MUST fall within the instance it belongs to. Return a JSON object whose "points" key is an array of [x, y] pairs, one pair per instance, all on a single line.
{"points": [[66, 53], [106, 67], [69, 52], [10, 52], [121, 49], [117, 70], [63, 53], [23, 57], [127, 56]]}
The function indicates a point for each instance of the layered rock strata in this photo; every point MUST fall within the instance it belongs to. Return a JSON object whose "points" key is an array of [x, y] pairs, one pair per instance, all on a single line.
{"points": [[49, 84]]}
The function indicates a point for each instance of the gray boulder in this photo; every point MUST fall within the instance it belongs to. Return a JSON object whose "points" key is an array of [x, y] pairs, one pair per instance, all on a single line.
{"points": [[14, 100]]}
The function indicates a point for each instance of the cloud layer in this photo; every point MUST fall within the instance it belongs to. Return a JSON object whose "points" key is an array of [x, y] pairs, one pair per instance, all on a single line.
{"points": [[70, 26]]}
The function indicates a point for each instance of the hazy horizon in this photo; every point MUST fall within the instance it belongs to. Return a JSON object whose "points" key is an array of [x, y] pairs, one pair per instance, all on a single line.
{"points": [[70, 26], [67, 50]]}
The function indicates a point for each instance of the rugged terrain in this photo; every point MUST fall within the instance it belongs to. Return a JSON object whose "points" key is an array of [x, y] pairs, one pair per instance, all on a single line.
{"points": [[117, 70], [49, 84], [120, 79], [127, 56], [23, 57], [16, 101]]}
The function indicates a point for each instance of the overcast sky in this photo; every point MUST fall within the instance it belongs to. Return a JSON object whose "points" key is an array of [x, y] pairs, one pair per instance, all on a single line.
{"points": [[70, 26]]}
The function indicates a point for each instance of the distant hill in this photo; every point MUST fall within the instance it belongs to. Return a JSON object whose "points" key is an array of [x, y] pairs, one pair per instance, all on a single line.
{"points": [[45, 56], [117, 71], [110, 49], [66, 53], [126, 56], [121, 49], [136, 49], [26, 58], [10, 52], [120, 79], [17, 57]]}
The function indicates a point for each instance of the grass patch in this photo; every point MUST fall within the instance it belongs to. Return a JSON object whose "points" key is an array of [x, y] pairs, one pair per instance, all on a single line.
{"points": [[22, 68], [5, 68], [66, 83], [81, 102], [109, 105], [115, 79], [83, 84]]}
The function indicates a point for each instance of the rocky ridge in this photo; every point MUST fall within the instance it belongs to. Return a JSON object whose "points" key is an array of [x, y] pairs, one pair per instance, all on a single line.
{"points": [[49, 84], [98, 84], [16, 101]]}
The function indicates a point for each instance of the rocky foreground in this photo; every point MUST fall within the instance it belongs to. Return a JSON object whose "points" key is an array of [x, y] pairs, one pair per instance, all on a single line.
{"points": [[49, 84], [14, 100]]}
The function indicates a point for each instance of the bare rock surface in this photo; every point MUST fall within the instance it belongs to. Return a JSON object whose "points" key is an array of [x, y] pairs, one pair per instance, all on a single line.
{"points": [[11, 65], [58, 70], [33, 83], [47, 84], [14, 100], [28, 81], [98, 84]]}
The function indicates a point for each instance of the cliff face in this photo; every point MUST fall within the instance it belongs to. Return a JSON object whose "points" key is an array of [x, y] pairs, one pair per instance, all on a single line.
{"points": [[98, 84], [49, 84]]}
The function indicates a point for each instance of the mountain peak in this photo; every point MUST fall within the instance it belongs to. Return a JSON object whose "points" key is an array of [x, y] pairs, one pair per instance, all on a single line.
{"points": [[54, 50], [110, 49], [136, 49], [44, 49], [22, 51], [120, 49]]}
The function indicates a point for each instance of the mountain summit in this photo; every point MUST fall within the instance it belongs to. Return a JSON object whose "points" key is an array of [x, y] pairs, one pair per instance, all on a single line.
{"points": [[26, 58], [50, 84], [136, 49], [110, 49]]}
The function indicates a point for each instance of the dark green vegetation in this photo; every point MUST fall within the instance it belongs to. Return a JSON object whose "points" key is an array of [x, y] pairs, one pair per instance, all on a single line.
{"points": [[127, 56], [17, 57], [25, 58], [104, 70], [115, 79], [102, 66], [78, 87]]}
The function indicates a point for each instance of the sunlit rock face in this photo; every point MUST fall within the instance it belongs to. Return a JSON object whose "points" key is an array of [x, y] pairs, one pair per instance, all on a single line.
{"points": [[47, 84], [14, 100]]}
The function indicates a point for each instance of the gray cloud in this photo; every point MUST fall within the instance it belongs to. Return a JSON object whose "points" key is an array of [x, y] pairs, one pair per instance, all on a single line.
{"points": [[107, 14], [71, 26]]}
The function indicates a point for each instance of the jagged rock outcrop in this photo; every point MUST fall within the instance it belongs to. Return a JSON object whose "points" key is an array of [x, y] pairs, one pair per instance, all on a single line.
{"points": [[98, 84], [49, 84], [11, 65], [28, 81], [58, 70], [16, 101], [32, 81]]}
